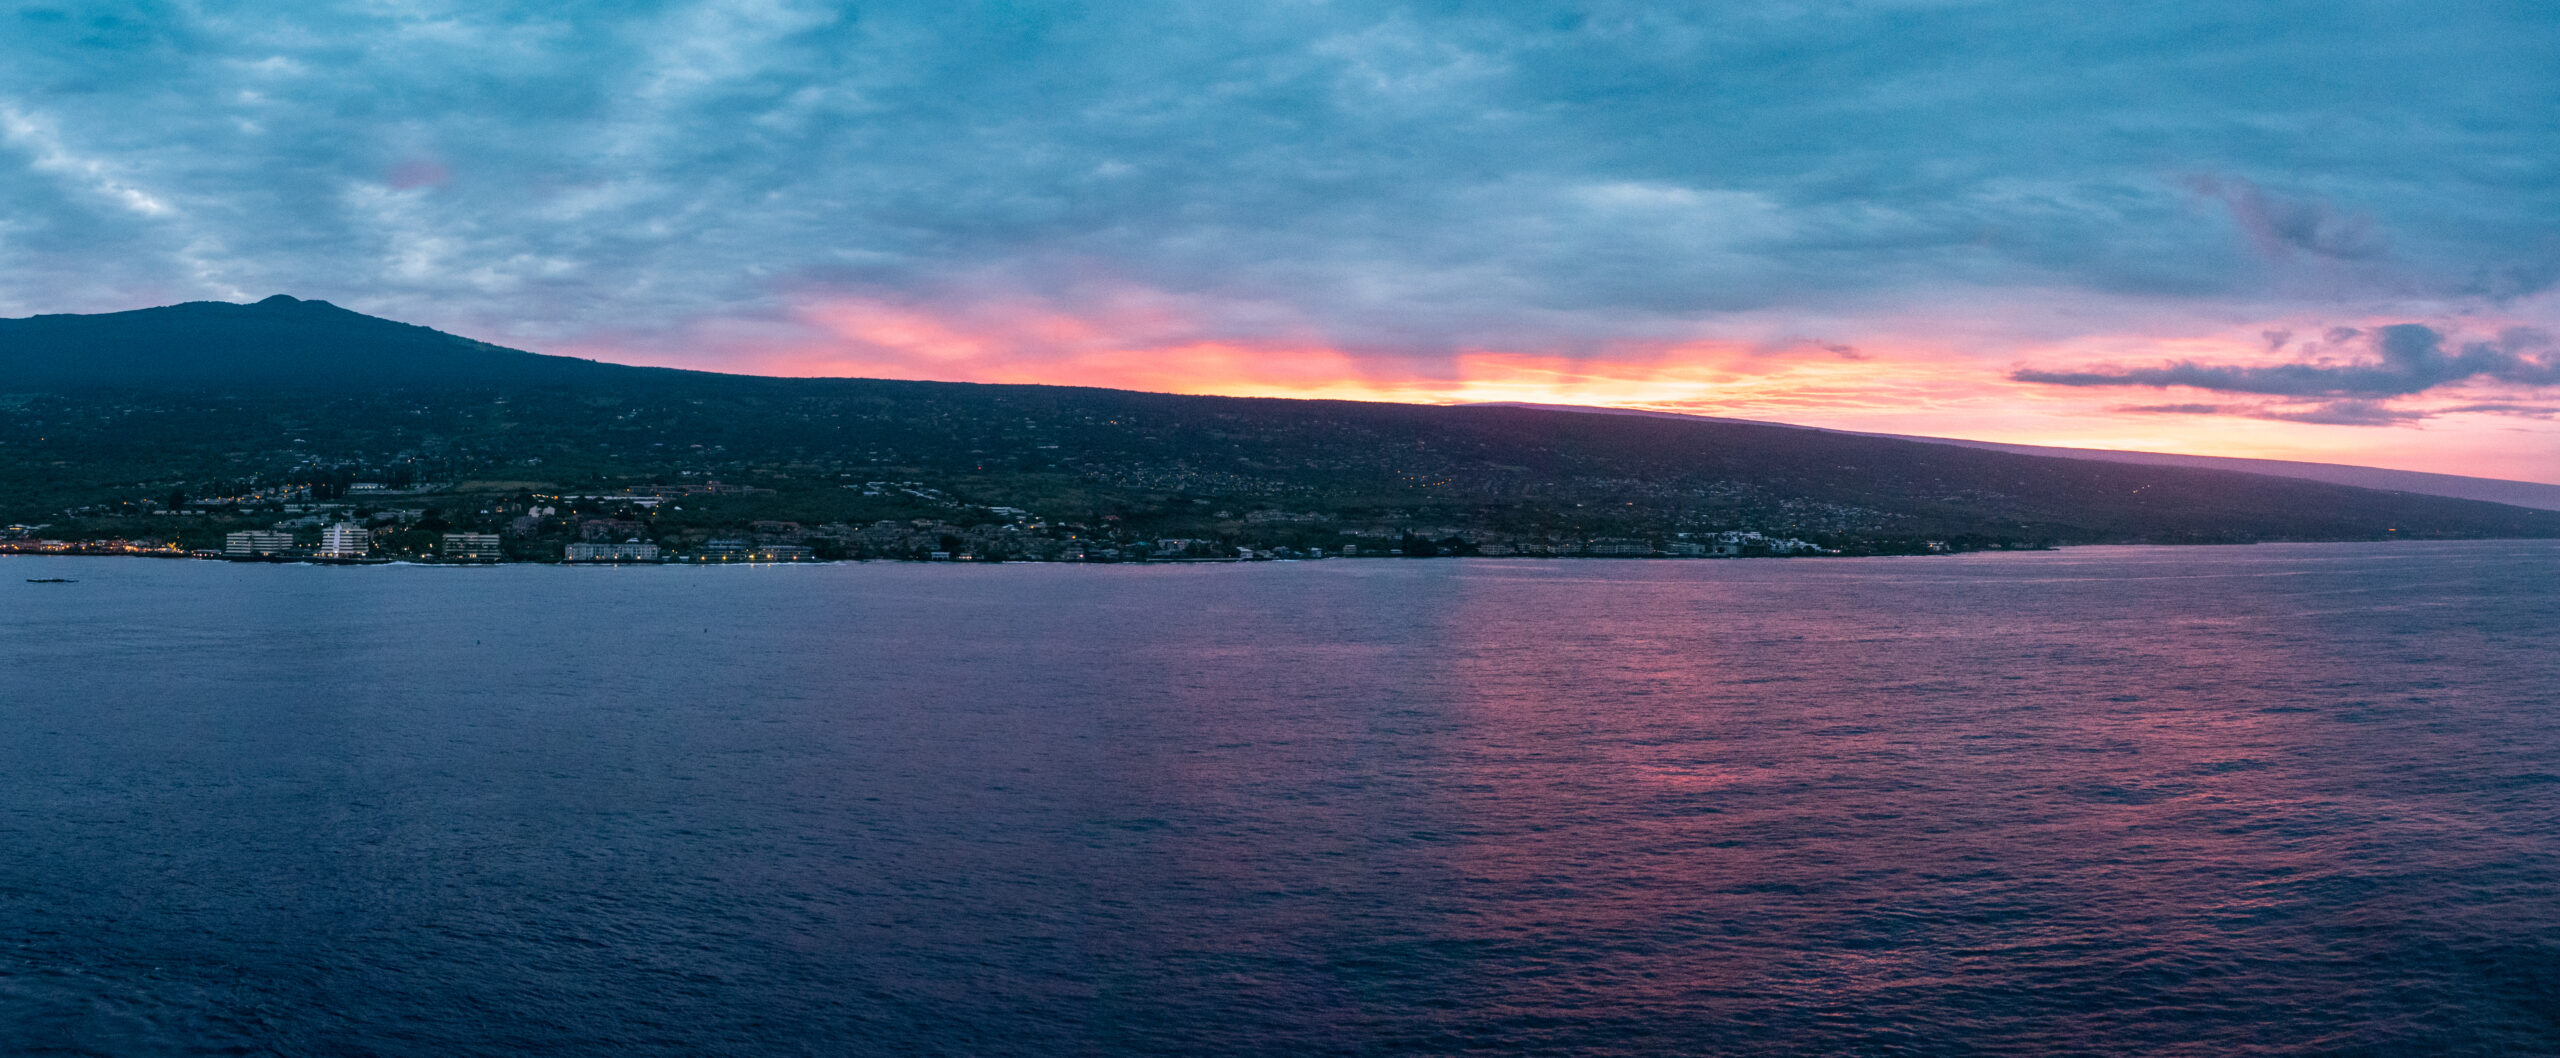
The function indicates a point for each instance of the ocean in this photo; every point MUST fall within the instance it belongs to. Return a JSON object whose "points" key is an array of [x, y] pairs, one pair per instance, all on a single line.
{"points": [[2284, 799]]}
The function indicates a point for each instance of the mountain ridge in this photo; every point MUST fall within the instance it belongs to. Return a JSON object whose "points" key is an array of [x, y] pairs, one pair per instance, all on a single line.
{"points": [[280, 341], [2534, 494], [209, 398]]}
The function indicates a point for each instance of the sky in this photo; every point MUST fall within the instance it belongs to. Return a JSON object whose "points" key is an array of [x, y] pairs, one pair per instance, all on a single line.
{"points": [[2317, 230]]}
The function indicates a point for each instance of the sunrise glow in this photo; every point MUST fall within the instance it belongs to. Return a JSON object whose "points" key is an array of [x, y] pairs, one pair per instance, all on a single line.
{"points": [[1956, 386]]}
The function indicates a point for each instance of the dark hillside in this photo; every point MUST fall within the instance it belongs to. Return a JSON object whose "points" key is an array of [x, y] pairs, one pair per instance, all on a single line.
{"points": [[207, 399], [279, 343]]}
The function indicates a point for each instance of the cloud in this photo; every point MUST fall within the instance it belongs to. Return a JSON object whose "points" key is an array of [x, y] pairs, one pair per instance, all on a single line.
{"points": [[1845, 213], [2526, 411], [2343, 413], [2281, 226], [2323, 413], [47, 153], [2179, 409], [1425, 180], [416, 173], [2408, 358]]}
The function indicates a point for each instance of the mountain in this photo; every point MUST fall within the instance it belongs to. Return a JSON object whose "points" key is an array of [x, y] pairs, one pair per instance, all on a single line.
{"points": [[111, 415], [281, 343], [2494, 490]]}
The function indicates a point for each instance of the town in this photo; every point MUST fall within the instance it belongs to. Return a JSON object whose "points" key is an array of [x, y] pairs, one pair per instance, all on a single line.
{"points": [[372, 523], [602, 463]]}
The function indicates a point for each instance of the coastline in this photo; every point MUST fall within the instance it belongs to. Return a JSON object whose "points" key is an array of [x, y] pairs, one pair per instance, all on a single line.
{"points": [[408, 563]]}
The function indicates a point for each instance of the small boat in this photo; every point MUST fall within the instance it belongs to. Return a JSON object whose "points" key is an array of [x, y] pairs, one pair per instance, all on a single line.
{"points": [[51, 580]]}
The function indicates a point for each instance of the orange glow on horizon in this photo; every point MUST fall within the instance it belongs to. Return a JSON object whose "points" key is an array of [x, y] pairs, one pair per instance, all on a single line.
{"points": [[1949, 389]]}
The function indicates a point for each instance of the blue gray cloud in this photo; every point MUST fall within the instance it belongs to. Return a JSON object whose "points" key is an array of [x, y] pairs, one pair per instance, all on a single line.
{"points": [[2408, 358], [2398, 360], [1403, 177]]}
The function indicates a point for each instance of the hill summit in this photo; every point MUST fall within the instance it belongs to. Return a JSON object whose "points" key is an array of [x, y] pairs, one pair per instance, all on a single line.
{"points": [[280, 343]]}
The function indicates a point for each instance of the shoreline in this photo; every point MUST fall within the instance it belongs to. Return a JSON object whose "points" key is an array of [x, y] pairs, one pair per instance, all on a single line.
{"points": [[430, 564]]}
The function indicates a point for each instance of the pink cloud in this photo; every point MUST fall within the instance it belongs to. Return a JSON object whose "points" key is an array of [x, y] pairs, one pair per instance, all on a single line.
{"points": [[415, 173]]}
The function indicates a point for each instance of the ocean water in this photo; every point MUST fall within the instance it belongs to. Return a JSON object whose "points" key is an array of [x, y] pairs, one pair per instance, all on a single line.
{"points": [[2204, 801]]}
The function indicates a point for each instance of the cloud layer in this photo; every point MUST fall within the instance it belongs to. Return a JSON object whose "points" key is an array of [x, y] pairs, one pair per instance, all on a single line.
{"points": [[2408, 359], [1404, 186]]}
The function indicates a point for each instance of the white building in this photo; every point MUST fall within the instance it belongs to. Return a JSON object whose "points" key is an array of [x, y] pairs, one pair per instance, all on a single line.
{"points": [[626, 551], [256, 542], [345, 540], [470, 547]]}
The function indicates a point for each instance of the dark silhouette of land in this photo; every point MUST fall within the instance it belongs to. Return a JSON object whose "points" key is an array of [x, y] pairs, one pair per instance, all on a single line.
{"points": [[114, 415]]}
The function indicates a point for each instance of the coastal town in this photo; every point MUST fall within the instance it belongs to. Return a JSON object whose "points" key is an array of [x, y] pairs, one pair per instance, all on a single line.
{"points": [[602, 464], [372, 522]]}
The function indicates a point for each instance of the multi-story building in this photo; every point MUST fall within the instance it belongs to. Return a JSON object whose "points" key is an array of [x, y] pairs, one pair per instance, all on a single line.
{"points": [[345, 540], [470, 547], [626, 551], [724, 551], [607, 530], [256, 543]]}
